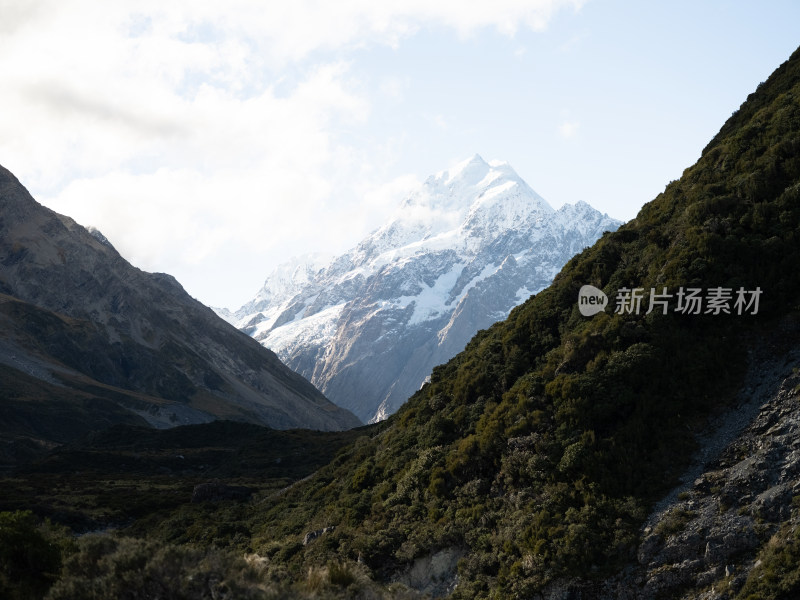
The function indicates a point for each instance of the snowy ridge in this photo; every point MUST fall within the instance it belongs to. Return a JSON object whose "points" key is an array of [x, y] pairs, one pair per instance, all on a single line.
{"points": [[458, 254]]}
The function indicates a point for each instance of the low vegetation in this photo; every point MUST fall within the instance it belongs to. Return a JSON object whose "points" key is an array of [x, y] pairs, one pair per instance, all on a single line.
{"points": [[776, 575]]}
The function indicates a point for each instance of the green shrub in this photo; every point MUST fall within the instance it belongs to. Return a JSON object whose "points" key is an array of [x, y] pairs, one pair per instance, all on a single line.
{"points": [[339, 574], [29, 560], [105, 567], [674, 522], [777, 574]]}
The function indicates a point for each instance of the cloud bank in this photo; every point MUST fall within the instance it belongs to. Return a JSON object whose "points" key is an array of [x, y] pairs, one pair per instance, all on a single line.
{"points": [[206, 138]]}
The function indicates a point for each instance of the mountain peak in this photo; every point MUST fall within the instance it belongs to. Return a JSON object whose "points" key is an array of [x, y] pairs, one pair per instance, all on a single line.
{"points": [[460, 252], [289, 277], [470, 191], [472, 170]]}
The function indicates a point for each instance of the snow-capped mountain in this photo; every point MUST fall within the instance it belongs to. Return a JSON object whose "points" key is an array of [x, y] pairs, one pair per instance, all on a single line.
{"points": [[460, 252]]}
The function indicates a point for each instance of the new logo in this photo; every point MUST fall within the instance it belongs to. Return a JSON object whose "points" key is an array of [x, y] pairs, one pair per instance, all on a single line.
{"points": [[591, 300]]}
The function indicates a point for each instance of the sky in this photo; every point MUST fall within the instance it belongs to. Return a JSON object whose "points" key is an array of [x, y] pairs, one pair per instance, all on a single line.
{"points": [[214, 141]]}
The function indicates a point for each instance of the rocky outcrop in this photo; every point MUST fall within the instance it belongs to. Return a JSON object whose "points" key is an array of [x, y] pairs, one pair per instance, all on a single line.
{"points": [[702, 541], [313, 535], [708, 537], [435, 575]]}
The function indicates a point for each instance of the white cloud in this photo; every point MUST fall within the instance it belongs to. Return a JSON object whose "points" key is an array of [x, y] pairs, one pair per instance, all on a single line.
{"points": [[436, 121], [381, 199], [183, 128], [568, 129], [393, 88]]}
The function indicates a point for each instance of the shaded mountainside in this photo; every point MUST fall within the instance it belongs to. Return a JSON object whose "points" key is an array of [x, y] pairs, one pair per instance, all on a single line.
{"points": [[460, 252], [536, 453], [220, 449], [126, 474], [86, 340]]}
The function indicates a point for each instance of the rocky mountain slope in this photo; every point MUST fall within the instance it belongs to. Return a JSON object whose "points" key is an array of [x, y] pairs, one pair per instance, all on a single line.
{"points": [[715, 535], [460, 252], [87, 340]]}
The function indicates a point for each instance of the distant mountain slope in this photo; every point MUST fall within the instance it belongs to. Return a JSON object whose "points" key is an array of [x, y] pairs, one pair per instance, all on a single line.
{"points": [[81, 326], [458, 255], [528, 465]]}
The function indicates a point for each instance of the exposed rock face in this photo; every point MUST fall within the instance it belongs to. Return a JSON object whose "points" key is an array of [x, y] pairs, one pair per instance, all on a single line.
{"points": [[368, 327], [313, 535], [702, 540], [435, 575], [78, 320], [710, 534]]}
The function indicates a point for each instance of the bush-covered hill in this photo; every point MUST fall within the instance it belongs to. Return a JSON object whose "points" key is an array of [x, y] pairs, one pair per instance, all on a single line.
{"points": [[536, 454], [538, 450]]}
